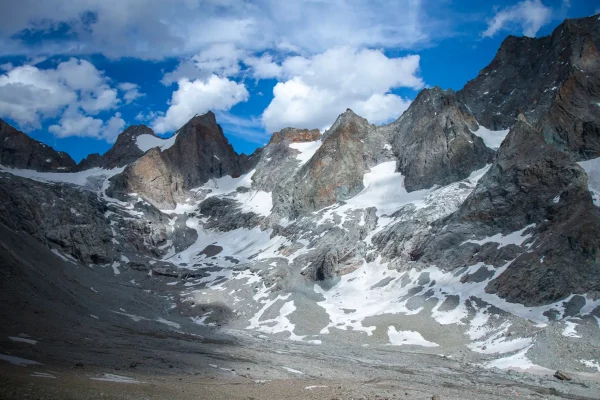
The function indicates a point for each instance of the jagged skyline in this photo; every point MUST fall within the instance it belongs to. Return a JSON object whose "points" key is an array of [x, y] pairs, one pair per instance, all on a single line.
{"points": [[70, 82]]}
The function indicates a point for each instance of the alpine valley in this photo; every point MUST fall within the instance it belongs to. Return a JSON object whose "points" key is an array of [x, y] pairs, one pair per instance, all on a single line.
{"points": [[453, 252]]}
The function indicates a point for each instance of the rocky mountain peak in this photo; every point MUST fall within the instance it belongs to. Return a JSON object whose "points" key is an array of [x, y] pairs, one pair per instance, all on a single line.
{"points": [[18, 150], [335, 171], [197, 152], [207, 119], [345, 119], [293, 135], [436, 99], [282, 157], [133, 132], [527, 73], [125, 150]]}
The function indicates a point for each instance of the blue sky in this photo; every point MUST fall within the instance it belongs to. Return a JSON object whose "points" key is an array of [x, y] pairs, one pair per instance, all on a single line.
{"points": [[75, 73]]}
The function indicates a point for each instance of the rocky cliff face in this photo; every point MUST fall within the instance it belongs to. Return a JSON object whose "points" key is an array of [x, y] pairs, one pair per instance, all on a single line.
{"points": [[125, 150], [85, 226], [434, 143], [281, 158], [555, 76], [532, 188], [335, 172], [18, 150], [546, 91]]}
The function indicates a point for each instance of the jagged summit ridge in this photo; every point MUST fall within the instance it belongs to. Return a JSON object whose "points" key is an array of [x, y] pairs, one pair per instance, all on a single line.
{"points": [[527, 73], [130, 145], [200, 151]]}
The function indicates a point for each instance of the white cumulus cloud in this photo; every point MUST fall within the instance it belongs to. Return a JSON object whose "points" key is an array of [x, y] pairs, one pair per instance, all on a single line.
{"points": [[198, 96], [75, 123], [527, 16], [314, 90], [28, 94], [178, 28], [75, 92], [131, 91]]}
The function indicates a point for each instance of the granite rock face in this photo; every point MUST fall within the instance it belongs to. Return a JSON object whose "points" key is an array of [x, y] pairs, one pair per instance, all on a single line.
{"points": [[434, 143], [17, 150], [335, 172], [124, 151], [546, 91], [535, 188]]}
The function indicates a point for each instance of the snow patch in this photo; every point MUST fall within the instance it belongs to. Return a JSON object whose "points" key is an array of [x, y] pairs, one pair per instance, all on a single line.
{"points": [[43, 375], [519, 362], [570, 330], [225, 184], [591, 364], [87, 178], [258, 202], [115, 266], [22, 340], [294, 371], [399, 338], [504, 240], [306, 149], [115, 378], [169, 323], [492, 139], [21, 362], [146, 142], [64, 257], [278, 324], [384, 189]]}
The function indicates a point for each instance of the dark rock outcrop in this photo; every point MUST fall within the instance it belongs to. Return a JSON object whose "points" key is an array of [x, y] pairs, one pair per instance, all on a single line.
{"points": [[547, 89], [531, 183], [556, 76], [17, 150], [293, 135], [434, 143], [83, 225]]}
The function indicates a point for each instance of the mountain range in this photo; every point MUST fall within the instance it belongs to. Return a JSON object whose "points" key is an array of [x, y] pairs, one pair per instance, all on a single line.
{"points": [[476, 211]]}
